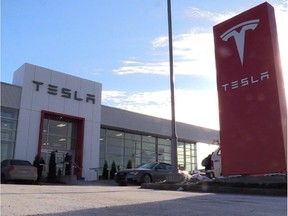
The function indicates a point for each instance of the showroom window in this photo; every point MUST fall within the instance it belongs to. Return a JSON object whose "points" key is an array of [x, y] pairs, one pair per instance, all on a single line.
{"points": [[164, 150], [9, 119], [122, 147], [187, 155], [132, 149]]}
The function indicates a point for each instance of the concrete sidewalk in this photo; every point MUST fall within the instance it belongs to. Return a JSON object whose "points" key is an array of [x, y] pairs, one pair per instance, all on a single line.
{"points": [[98, 182], [257, 185]]}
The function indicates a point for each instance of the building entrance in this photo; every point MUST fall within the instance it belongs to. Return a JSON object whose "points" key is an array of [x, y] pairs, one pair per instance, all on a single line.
{"points": [[65, 162], [62, 135]]}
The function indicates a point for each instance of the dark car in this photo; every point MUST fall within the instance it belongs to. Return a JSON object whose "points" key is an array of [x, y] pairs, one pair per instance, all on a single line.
{"points": [[146, 173], [17, 170]]}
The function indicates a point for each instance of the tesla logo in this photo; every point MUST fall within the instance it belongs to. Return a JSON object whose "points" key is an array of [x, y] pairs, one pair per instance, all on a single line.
{"points": [[239, 37], [64, 92]]}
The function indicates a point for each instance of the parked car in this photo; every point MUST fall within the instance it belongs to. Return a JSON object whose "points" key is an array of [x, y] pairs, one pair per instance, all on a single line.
{"points": [[146, 173], [216, 168], [16, 170]]}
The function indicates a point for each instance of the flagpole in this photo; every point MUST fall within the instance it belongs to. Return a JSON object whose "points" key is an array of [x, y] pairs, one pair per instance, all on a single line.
{"points": [[174, 159]]}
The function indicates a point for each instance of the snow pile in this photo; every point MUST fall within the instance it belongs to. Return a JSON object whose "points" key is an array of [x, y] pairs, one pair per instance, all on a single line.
{"points": [[195, 177]]}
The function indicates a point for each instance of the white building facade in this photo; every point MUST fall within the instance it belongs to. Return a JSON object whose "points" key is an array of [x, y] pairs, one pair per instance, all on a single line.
{"points": [[46, 111]]}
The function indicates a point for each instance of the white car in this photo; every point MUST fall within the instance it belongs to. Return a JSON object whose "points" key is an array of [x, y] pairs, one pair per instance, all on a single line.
{"points": [[216, 170], [16, 170]]}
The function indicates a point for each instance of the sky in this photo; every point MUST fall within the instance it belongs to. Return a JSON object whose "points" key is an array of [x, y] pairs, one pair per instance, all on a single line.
{"points": [[124, 45]]}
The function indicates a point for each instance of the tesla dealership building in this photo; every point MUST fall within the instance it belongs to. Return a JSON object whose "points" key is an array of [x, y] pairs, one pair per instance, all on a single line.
{"points": [[44, 110]]}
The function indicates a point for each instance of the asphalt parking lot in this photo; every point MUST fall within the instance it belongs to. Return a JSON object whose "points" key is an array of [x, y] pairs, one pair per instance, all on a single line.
{"points": [[109, 199]]}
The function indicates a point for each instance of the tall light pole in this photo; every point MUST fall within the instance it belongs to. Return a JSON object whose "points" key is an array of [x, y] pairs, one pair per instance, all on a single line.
{"points": [[174, 160]]}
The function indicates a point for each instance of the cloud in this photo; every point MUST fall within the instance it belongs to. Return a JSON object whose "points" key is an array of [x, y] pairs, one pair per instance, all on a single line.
{"points": [[136, 101], [191, 52], [97, 71], [113, 97], [160, 42], [207, 15], [198, 107], [191, 106], [194, 54], [134, 67]]}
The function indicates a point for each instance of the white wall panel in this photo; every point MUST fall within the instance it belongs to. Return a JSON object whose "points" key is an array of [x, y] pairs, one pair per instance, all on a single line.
{"points": [[87, 148], [18, 75], [97, 108], [71, 107], [56, 104], [33, 134], [95, 151], [39, 98], [86, 110], [58, 79], [42, 74], [42, 101], [91, 152], [94, 161], [26, 102], [73, 83], [22, 139]]}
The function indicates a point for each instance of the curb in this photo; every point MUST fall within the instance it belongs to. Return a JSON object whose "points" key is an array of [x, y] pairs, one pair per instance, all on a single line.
{"points": [[206, 188]]}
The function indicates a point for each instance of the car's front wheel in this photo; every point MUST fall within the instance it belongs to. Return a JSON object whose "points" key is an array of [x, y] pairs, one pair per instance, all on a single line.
{"points": [[146, 178]]}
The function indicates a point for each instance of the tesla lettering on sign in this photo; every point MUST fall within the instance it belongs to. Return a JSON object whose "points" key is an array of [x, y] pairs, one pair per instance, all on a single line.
{"points": [[252, 106]]}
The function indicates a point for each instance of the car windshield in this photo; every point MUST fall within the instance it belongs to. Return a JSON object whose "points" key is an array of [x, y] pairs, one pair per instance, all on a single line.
{"points": [[147, 165], [20, 162]]}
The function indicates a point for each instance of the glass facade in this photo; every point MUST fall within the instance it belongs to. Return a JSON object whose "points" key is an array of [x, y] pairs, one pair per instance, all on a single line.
{"points": [[122, 147], [9, 119], [187, 155]]}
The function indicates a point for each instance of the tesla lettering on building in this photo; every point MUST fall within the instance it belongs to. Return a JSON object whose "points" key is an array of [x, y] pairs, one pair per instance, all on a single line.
{"points": [[64, 92]]}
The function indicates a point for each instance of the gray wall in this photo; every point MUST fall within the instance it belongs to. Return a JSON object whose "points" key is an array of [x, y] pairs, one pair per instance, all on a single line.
{"points": [[151, 125], [10, 95]]}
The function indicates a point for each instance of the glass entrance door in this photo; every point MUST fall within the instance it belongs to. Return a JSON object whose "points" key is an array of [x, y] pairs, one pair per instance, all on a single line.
{"points": [[63, 166], [59, 135]]}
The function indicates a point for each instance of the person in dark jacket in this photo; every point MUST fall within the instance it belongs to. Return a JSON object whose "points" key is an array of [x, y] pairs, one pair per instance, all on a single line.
{"points": [[68, 161], [206, 162]]}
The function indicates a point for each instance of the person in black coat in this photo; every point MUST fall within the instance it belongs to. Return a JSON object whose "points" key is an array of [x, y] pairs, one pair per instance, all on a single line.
{"points": [[67, 162], [206, 162]]}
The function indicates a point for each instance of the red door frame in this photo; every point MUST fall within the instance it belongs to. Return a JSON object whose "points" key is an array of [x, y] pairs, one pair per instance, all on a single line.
{"points": [[79, 139]]}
